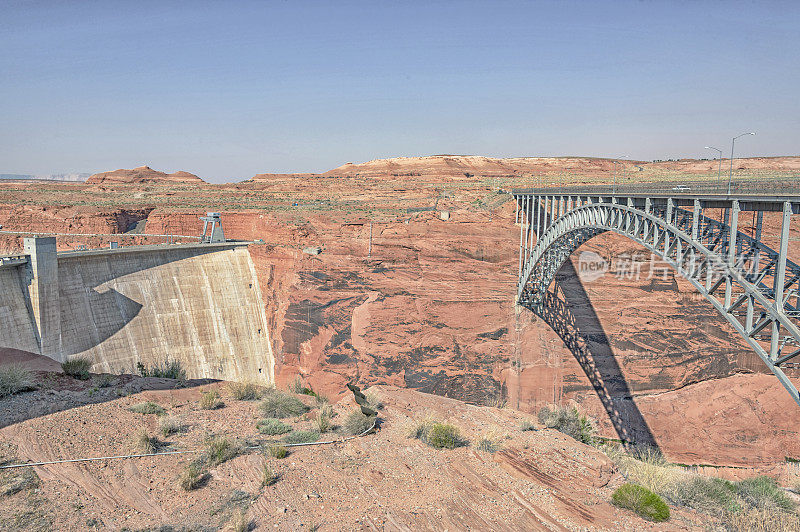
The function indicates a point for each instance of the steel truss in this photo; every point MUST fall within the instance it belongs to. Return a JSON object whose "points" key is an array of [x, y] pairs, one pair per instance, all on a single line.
{"points": [[754, 287]]}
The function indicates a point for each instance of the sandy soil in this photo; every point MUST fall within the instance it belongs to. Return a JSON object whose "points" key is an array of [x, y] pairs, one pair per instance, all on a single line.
{"points": [[538, 480]]}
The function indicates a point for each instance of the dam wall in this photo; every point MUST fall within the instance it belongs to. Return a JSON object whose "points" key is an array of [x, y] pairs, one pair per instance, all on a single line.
{"points": [[198, 304]]}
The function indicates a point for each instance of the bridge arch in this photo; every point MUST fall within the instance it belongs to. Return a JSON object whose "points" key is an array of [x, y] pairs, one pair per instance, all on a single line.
{"points": [[754, 287]]}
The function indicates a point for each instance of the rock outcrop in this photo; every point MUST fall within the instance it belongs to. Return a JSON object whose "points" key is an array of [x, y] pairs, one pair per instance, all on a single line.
{"points": [[143, 174]]}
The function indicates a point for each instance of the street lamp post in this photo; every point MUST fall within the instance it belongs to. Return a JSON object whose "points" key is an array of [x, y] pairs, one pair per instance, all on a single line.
{"points": [[719, 166], [730, 175]]}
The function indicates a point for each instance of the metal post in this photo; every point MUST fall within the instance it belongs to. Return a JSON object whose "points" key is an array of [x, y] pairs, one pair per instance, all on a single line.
{"points": [[521, 233], [757, 237], [732, 250], [695, 229], [783, 249]]}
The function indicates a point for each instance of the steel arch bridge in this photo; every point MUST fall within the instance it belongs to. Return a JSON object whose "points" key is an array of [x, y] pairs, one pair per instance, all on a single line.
{"points": [[754, 287]]}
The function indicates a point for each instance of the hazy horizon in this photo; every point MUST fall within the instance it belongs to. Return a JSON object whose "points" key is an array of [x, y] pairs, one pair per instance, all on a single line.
{"points": [[230, 90]]}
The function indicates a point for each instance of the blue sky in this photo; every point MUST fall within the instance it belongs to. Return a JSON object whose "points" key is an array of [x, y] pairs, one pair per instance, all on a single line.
{"points": [[230, 89]]}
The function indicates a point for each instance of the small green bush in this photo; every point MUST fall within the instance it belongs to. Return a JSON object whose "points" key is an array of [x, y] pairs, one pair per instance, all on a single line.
{"points": [[569, 421], [169, 369], [105, 380], [273, 427], [15, 379], [148, 407], [220, 449], [77, 367], [192, 476], [280, 405], [527, 425], [301, 436], [277, 451], [210, 400], [244, 391], [445, 436], [357, 423], [644, 502]]}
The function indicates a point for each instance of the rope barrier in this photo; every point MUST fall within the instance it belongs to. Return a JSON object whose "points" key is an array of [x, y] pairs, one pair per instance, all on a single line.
{"points": [[190, 451]]}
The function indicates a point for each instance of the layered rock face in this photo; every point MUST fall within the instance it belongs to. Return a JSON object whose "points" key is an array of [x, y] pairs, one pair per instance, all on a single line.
{"points": [[427, 301], [143, 174]]}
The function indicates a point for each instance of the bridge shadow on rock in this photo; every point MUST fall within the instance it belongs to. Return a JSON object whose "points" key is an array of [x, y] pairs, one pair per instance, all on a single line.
{"points": [[569, 312]]}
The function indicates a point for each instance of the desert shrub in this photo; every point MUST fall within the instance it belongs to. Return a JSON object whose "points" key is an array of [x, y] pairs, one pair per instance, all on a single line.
{"points": [[273, 427], [245, 391], [487, 445], [77, 367], [301, 436], [169, 369], [146, 444], [239, 522], [527, 425], [323, 418], [373, 401], [277, 451], [170, 425], [105, 380], [192, 476], [15, 379], [569, 421], [296, 386], [268, 476], [641, 500], [278, 404], [220, 449], [445, 436], [148, 407], [712, 496], [763, 492], [357, 423], [421, 428], [762, 520], [210, 400]]}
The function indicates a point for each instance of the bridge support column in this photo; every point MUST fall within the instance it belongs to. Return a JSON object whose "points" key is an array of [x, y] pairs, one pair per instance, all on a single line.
{"points": [[43, 293]]}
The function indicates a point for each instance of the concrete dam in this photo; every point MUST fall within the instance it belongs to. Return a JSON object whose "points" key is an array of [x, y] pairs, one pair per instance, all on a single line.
{"points": [[199, 304]]}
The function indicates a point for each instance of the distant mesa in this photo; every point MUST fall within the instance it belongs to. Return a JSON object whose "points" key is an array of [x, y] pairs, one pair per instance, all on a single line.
{"points": [[143, 174]]}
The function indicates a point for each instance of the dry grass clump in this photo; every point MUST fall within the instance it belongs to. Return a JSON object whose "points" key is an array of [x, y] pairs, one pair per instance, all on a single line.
{"points": [[220, 449], [277, 451], [15, 379], [148, 407], [268, 476], [302, 436], [169, 369], [527, 425], [569, 421], [273, 427], [146, 444], [170, 425], [322, 420], [762, 520], [239, 522], [192, 476], [357, 423], [77, 367], [245, 391], [489, 442], [280, 405], [210, 400]]}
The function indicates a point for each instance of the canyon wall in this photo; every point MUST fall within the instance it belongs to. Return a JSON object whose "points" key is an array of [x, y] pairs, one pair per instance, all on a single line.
{"points": [[199, 305]]}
